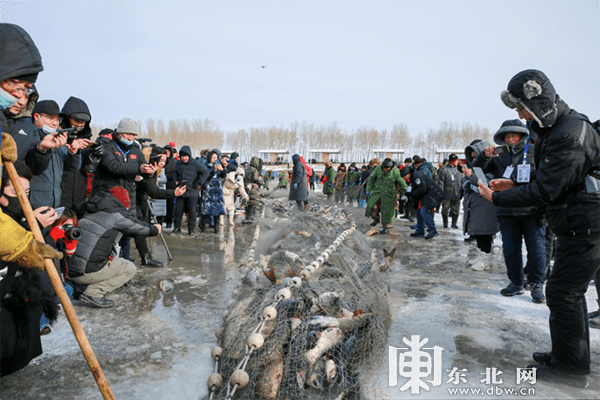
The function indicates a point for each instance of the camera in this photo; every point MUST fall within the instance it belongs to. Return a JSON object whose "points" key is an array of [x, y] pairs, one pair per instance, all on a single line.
{"points": [[71, 139], [71, 231], [144, 140]]}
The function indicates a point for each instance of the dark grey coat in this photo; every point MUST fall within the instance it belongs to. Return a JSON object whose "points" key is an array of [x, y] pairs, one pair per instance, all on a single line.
{"points": [[298, 189]]}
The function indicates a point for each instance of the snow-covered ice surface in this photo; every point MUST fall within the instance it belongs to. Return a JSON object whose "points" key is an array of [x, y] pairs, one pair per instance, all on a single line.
{"points": [[155, 345]]}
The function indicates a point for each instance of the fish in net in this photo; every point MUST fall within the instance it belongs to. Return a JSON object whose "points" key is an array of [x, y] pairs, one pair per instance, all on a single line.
{"points": [[310, 319]]}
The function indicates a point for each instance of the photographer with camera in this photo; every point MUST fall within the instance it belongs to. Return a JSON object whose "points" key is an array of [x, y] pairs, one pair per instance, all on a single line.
{"points": [[46, 187], [76, 115], [96, 262], [147, 188]]}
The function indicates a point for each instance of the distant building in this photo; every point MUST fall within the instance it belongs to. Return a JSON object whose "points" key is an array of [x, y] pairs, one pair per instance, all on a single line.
{"points": [[394, 154], [275, 156], [325, 155]]}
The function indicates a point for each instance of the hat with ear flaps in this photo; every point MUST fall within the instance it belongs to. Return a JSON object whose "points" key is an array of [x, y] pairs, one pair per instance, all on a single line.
{"points": [[532, 90]]}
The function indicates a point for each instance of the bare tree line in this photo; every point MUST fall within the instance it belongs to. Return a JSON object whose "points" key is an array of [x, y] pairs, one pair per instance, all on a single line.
{"points": [[301, 137]]}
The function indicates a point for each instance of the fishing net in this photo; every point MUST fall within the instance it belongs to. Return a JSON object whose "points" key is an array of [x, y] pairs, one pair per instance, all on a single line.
{"points": [[309, 318]]}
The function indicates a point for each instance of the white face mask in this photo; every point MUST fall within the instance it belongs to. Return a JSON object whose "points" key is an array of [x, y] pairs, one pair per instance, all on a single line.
{"points": [[6, 100], [48, 129]]}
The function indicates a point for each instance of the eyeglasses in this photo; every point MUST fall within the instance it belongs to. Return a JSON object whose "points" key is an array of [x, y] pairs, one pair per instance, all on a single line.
{"points": [[15, 86], [51, 117], [75, 121]]}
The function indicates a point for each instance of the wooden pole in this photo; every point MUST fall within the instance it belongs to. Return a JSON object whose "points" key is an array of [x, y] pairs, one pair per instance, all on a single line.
{"points": [[59, 288]]}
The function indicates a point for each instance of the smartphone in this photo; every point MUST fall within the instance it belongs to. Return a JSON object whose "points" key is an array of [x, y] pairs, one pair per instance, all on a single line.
{"points": [[59, 131], [183, 183], [59, 212], [501, 150], [480, 175]]}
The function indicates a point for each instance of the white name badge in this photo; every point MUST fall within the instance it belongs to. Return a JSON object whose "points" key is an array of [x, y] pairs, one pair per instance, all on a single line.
{"points": [[409, 189], [523, 173], [508, 172]]}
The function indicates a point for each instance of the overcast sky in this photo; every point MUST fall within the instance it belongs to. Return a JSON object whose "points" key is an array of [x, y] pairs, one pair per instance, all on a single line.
{"points": [[357, 63]]}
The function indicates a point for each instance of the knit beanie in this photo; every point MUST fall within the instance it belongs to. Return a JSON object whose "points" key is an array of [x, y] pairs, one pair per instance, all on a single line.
{"points": [[121, 194]]}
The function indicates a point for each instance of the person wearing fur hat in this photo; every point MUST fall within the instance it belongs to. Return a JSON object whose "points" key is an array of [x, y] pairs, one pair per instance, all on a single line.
{"points": [[567, 160], [518, 223]]}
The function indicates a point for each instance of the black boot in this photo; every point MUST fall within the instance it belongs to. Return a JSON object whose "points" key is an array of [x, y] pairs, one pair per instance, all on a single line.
{"points": [[202, 224], [375, 220], [249, 212], [445, 220], [217, 223], [148, 261], [454, 219]]}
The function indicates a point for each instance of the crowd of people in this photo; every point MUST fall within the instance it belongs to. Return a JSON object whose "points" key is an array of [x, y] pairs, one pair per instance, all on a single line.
{"points": [[538, 183]]}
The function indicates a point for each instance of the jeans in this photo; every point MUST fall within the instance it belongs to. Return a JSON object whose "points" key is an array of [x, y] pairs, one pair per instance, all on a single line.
{"points": [[424, 219], [428, 220], [513, 229]]}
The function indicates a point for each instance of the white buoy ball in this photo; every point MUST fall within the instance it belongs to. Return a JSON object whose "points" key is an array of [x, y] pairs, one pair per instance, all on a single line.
{"points": [[332, 248], [325, 255], [305, 273], [269, 312], [215, 380], [310, 269], [314, 264], [216, 352], [296, 282], [320, 260], [240, 378], [284, 294], [256, 340]]}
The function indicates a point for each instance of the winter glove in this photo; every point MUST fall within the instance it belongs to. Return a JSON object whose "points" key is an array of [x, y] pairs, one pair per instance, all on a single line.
{"points": [[9, 148], [295, 185], [34, 254], [94, 158]]}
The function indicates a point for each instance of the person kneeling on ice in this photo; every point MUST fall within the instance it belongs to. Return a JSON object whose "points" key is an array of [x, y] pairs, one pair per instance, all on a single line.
{"points": [[95, 262]]}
